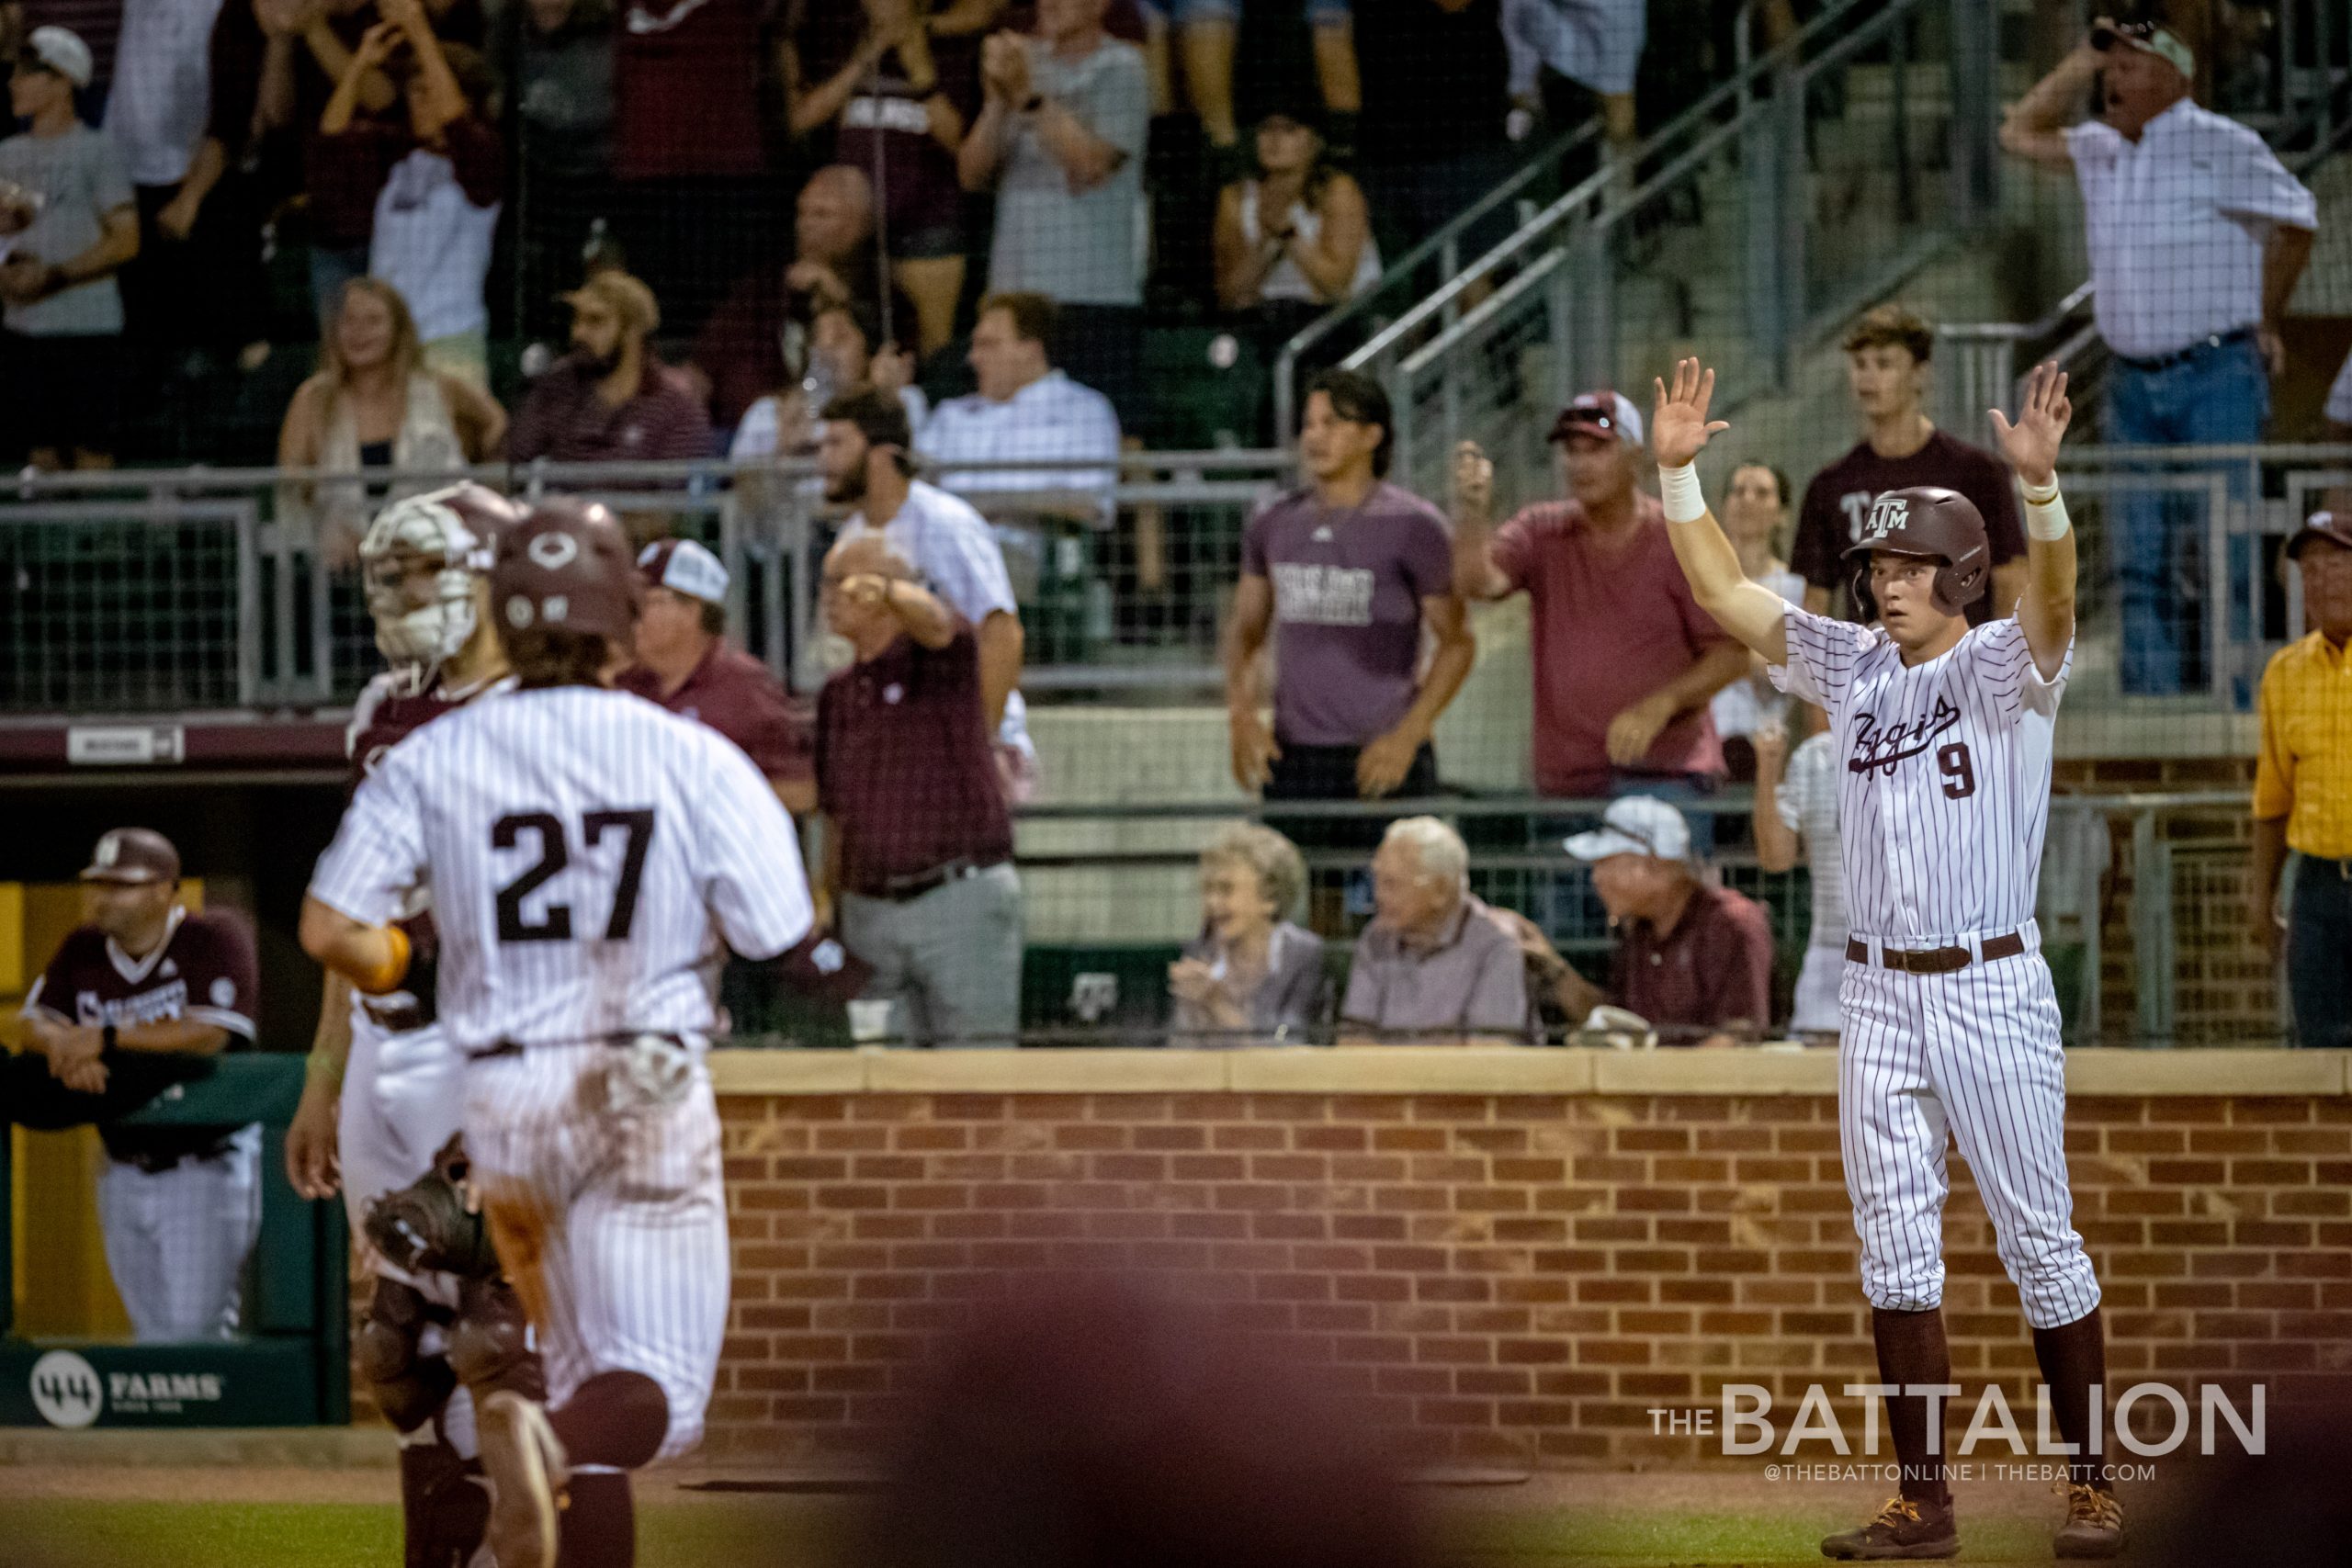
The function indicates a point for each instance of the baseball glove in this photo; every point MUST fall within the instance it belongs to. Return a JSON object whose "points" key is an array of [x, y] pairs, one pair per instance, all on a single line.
{"points": [[431, 1226]]}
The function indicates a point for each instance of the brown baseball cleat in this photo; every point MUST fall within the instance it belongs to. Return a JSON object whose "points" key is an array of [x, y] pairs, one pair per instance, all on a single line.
{"points": [[524, 1462], [1906, 1530], [2094, 1526]]}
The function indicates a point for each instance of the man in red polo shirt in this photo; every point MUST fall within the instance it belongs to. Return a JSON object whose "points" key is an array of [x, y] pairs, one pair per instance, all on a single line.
{"points": [[919, 842], [1694, 959], [685, 664]]}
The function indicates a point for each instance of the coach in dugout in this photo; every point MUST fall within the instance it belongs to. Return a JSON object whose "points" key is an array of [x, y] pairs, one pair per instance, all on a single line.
{"points": [[2303, 790], [134, 1001]]}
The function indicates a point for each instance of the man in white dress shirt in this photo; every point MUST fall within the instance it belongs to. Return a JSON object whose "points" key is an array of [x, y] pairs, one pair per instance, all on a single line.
{"points": [[1025, 411], [2198, 235]]}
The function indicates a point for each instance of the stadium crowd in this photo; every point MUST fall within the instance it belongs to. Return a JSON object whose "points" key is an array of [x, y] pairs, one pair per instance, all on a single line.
{"points": [[969, 187], [210, 176]]}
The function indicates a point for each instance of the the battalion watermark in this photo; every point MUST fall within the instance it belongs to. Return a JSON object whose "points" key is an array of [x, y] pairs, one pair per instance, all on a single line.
{"points": [[1744, 1422]]}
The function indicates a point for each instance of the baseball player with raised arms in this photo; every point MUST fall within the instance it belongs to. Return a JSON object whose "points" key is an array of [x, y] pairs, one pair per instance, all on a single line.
{"points": [[384, 1092], [586, 850], [1950, 1024]]}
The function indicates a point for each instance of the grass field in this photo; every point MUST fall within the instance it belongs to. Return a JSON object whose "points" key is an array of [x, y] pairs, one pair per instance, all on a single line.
{"points": [[1602, 1521]]}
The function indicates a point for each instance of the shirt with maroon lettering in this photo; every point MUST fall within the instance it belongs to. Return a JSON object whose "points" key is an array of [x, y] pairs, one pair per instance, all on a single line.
{"points": [[739, 697], [203, 971]]}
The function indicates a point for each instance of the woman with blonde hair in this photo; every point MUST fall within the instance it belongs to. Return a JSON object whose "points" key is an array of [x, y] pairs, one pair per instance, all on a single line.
{"points": [[1252, 977], [375, 404]]}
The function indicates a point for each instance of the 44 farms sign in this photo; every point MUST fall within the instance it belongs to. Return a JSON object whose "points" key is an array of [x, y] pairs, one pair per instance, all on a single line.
{"points": [[69, 1392], [232, 1383]]}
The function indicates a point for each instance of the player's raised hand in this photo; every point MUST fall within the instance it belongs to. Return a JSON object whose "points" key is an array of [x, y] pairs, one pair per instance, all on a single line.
{"points": [[2032, 444], [1679, 424]]}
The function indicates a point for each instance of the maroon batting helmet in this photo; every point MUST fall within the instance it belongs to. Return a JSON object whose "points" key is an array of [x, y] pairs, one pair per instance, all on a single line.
{"points": [[566, 567], [1935, 523]]}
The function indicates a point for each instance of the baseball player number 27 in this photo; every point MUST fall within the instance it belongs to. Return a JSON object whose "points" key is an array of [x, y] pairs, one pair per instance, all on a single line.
{"points": [[1959, 774], [548, 827]]}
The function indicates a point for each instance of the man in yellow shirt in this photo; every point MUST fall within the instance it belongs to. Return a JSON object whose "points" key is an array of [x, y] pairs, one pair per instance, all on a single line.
{"points": [[2303, 790]]}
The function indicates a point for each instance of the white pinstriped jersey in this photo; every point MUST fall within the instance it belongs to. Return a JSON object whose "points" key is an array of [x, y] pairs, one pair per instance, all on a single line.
{"points": [[1944, 792], [583, 848]]}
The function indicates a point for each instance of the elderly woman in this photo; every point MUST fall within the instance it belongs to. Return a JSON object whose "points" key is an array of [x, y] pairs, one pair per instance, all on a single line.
{"points": [[1250, 971]]}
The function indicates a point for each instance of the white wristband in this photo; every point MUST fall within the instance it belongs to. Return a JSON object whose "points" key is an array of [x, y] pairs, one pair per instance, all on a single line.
{"points": [[2045, 518], [1679, 488]]}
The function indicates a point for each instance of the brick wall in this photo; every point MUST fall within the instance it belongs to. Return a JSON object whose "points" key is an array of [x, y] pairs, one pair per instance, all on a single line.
{"points": [[1513, 1254]]}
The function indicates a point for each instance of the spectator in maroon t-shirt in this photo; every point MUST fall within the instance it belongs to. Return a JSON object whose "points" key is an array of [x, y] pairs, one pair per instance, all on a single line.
{"points": [[895, 97], [1886, 367], [1345, 575], [921, 843], [1625, 661], [610, 399], [1694, 960]]}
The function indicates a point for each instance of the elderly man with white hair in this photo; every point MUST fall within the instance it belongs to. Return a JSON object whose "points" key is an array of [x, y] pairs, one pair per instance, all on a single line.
{"points": [[1436, 966]]}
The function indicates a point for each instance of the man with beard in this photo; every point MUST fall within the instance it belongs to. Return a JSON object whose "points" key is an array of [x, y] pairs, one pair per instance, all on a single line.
{"points": [[865, 458], [610, 399]]}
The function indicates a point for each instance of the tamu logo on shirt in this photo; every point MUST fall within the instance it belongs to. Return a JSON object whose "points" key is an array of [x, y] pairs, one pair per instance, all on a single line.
{"points": [[1880, 747], [1307, 594]]}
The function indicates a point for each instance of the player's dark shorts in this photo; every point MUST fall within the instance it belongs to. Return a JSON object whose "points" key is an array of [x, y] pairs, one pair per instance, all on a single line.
{"points": [[60, 392]]}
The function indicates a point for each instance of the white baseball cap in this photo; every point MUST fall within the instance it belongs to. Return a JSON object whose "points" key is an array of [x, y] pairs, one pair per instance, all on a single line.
{"points": [[1638, 825], [62, 52], [683, 566]]}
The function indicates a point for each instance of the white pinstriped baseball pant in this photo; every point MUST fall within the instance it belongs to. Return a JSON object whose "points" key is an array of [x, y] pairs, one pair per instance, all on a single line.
{"points": [[1977, 1055], [176, 1240], [610, 1217]]}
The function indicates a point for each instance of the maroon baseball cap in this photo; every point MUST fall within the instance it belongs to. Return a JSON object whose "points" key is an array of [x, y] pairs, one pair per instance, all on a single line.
{"points": [[2321, 525], [133, 856], [565, 566], [1607, 414]]}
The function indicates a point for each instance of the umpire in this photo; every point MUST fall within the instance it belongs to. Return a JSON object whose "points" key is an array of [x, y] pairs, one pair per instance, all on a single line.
{"points": [[2303, 790]]}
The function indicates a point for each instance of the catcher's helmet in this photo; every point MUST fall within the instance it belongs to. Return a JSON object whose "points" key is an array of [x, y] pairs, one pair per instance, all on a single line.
{"points": [[1934, 523], [454, 529], [566, 566]]}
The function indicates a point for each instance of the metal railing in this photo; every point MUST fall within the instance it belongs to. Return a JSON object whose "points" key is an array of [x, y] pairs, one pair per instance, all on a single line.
{"points": [[1707, 231], [1399, 284], [200, 590]]}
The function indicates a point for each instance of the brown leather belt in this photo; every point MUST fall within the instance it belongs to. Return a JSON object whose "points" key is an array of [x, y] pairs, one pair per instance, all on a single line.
{"points": [[1935, 960]]}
